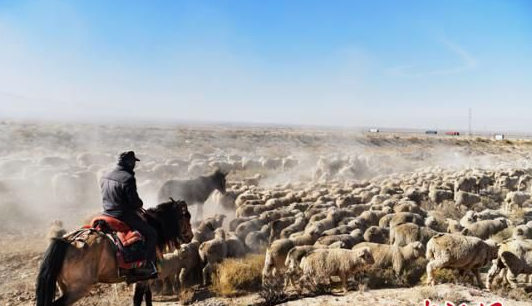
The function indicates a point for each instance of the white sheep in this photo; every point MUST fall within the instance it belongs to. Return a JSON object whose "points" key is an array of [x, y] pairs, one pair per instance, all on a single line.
{"points": [[212, 252], [322, 264]]}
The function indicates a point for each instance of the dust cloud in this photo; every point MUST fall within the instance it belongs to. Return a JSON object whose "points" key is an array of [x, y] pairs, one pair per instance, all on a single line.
{"points": [[51, 170]]}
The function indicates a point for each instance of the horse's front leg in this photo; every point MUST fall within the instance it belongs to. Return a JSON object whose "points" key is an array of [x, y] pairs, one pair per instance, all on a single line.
{"points": [[139, 294]]}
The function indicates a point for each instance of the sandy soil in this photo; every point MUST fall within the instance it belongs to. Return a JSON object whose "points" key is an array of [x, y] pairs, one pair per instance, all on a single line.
{"points": [[21, 251]]}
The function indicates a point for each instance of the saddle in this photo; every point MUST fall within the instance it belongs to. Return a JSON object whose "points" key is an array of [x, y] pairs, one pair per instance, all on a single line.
{"points": [[129, 244]]}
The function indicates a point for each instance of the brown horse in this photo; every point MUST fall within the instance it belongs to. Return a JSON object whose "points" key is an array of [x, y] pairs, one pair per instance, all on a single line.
{"points": [[76, 270]]}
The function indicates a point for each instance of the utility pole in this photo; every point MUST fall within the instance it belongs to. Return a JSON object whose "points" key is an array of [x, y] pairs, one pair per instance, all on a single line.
{"points": [[470, 122]]}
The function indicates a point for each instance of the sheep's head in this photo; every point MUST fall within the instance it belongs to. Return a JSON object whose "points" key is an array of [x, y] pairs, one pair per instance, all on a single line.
{"points": [[453, 226], [493, 248], [503, 221], [418, 249], [220, 219], [365, 255], [183, 252], [219, 233], [431, 222], [471, 216], [356, 232]]}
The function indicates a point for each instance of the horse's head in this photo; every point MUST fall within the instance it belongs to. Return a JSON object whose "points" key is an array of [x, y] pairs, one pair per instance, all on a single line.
{"points": [[218, 180], [172, 222], [185, 233]]}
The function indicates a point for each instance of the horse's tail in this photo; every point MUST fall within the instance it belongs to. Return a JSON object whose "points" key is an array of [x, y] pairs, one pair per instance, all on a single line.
{"points": [[50, 267]]}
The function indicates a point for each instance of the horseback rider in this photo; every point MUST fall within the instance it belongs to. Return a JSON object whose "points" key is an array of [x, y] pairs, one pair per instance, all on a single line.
{"points": [[121, 201]]}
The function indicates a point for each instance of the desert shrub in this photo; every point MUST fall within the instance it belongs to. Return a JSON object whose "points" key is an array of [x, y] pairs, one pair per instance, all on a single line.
{"points": [[431, 293], [386, 278], [426, 292], [272, 292], [237, 276], [518, 294], [450, 276]]}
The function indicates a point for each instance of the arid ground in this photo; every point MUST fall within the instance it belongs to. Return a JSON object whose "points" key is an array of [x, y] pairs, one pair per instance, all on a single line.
{"points": [[49, 171]]}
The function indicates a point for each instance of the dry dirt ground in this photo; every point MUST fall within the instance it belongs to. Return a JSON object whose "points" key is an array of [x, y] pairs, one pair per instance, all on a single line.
{"points": [[21, 250], [20, 255]]}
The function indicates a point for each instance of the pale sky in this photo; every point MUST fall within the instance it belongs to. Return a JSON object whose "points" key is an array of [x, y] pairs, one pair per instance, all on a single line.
{"points": [[411, 64]]}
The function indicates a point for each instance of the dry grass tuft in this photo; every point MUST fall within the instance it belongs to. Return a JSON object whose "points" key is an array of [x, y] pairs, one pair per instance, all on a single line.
{"points": [[518, 294], [272, 292], [386, 278], [450, 276], [504, 290], [421, 294], [237, 276], [424, 293]]}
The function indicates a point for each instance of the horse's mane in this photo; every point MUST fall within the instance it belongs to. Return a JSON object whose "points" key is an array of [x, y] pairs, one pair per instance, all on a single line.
{"points": [[165, 219]]}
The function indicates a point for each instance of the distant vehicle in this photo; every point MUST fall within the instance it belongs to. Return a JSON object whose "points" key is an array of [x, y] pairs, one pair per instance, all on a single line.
{"points": [[431, 132], [374, 130], [452, 133], [499, 137]]}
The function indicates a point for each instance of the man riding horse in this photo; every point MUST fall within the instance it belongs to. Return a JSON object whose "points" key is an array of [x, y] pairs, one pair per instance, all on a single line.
{"points": [[121, 201]]}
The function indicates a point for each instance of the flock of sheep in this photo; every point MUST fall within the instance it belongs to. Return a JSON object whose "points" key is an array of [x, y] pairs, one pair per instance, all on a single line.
{"points": [[336, 217], [70, 183], [311, 232]]}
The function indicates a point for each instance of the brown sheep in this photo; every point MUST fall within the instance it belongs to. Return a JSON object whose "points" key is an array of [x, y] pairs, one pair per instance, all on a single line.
{"points": [[404, 234], [393, 256], [459, 252], [376, 234], [321, 264], [406, 217], [485, 228], [348, 240], [212, 252]]}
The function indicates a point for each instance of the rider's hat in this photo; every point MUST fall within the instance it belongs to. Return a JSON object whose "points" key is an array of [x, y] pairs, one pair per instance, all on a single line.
{"points": [[128, 155]]}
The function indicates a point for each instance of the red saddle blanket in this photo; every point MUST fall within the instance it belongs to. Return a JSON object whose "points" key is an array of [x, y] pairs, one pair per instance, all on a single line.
{"points": [[130, 248]]}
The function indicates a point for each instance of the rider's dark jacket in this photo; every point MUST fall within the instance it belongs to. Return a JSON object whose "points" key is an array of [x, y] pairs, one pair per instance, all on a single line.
{"points": [[119, 192]]}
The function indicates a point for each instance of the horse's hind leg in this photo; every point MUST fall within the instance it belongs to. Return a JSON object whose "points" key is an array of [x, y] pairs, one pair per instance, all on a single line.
{"points": [[72, 295]]}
